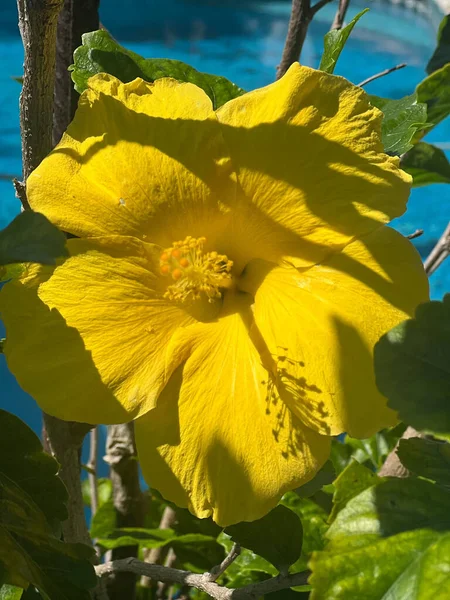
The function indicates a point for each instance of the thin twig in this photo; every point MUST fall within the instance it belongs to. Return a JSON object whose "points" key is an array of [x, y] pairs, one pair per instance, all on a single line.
{"points": [[92, 469], [439, 253], [201, 582], [301, 15], [417, 233], [382, 74], [339, 17], [162, 588], [232, 555]]}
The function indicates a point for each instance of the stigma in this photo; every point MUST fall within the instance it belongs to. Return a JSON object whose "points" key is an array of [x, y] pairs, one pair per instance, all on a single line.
{"points": [[194, 273]]}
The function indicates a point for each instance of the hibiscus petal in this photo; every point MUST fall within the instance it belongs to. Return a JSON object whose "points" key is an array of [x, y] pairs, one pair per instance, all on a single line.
{"points": [[321, 326], [220, 442], [309, 159], [87, 339], [139, 159]]}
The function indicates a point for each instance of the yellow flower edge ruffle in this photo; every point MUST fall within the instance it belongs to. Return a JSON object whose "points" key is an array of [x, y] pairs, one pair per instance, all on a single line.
{"points": [[234, 405]]}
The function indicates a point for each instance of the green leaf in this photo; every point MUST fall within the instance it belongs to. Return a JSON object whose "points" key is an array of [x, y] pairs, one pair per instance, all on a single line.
{"points": [[334, 42], [12, 271], [10, 592], [325, 476], [412, 367], [104, 486], [435, 92], [30, 237], [426, 458], [314, 521], [427, 164], [104, 521], [100, 53], [149, 538], [352, 481], [370, 452], [277, 537], [29, 552], [441, 55], [24, 462], [402, 119], [391, 542]]}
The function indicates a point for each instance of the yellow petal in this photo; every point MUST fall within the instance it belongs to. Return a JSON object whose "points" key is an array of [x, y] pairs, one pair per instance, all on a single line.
{"points": [[322, 324], [220, 441], [139, 159], [309, 158], [87, 339]]}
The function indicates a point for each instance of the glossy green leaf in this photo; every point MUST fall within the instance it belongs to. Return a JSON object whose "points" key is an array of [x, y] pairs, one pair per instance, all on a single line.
{"points": [[402, 119], [352, 481], [441, 55], [30, 237], [10, 592], [100, 53], [412, 368], [435, 92], [277, 537], [23, 461], [426, 458], [391, 542], [427, 164], [334, 42]]}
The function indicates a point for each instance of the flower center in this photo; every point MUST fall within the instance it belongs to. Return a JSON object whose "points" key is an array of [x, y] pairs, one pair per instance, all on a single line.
{"points": [[194, 271]]}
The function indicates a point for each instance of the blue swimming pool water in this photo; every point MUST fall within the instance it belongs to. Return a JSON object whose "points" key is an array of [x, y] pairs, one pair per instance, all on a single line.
{"points": [[242, 41]]}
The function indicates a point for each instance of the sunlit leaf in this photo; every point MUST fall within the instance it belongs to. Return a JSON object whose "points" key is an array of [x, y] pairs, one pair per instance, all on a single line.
{"points": [[334, 42], [402, 119], [352, 481], [390, 542], [435, 92], [100, 53]]}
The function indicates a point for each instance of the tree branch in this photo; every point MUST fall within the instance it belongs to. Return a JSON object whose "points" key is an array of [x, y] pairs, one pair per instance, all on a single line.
{"points": [[63, 439], [339, 17], [382, 74], [37, 24], [200, 582], [92, 469], [301, 15], [128, 501], [439, 253], [232, 555], [76, 17]]}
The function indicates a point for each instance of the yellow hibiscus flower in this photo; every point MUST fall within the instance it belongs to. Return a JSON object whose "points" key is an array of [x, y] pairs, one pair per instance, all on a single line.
{"points": [[231, 275]]}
